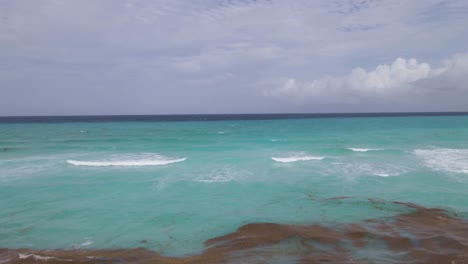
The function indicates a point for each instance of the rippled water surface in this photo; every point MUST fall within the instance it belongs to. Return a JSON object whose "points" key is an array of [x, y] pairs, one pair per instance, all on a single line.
{"points": [[171, 186]]}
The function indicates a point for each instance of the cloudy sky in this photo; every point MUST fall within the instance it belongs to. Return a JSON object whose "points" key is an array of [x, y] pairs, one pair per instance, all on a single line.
{"points": [[66, 57]]}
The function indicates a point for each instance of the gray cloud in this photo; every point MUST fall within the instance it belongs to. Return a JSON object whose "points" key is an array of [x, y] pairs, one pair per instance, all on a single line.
{"points": [[174, 56]]}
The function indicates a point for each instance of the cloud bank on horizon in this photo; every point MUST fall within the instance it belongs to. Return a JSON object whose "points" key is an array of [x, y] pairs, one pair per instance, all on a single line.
{"points": [[404, 77], [232, 56]]}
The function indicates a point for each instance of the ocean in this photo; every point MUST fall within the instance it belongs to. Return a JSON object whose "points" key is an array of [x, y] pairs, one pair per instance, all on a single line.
{"points": [[181, 189]]}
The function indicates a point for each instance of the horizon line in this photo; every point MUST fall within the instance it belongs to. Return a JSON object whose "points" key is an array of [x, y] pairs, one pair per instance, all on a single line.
{"points": [[251, 114]]}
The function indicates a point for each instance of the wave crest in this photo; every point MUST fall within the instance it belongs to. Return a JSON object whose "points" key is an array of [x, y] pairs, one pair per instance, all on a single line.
{"points": [[362, 149], [138, 160], [296, 158]]}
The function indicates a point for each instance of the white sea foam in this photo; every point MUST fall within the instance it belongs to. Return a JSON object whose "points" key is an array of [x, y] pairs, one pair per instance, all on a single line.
{"points": [[39, 257], [31, 166], [86, 243], [386, 174], [381, 174], [449, 160], [296, 158], [215, 178], [356, 169], [25, 256], [128, 160], [362, 149], [225, 174]]}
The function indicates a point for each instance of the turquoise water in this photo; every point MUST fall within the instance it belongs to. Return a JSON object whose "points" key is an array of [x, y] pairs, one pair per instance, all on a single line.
{"points": [[177, 184]]}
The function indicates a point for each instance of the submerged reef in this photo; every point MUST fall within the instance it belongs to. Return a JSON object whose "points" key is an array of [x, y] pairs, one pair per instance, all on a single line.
{"points": [[421, 235]]}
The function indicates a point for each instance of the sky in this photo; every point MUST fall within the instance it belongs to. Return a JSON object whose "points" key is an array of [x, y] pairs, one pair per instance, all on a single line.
{"points": [[113, 57]]}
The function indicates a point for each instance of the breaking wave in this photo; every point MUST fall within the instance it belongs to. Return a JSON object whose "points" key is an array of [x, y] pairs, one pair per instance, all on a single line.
{"points": [[450, 160], [362, 149], [296, 158], [135, 160]]}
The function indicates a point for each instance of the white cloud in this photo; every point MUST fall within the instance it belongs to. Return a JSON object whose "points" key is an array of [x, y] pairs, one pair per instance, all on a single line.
{"points": [[403, 77]]}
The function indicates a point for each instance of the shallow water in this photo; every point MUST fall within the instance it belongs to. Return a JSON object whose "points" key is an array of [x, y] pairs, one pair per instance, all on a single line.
{"points": [[171, 186]]}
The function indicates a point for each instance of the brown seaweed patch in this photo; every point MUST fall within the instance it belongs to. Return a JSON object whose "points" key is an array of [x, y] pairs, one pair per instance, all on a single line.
{"points": [[424, 235]]}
